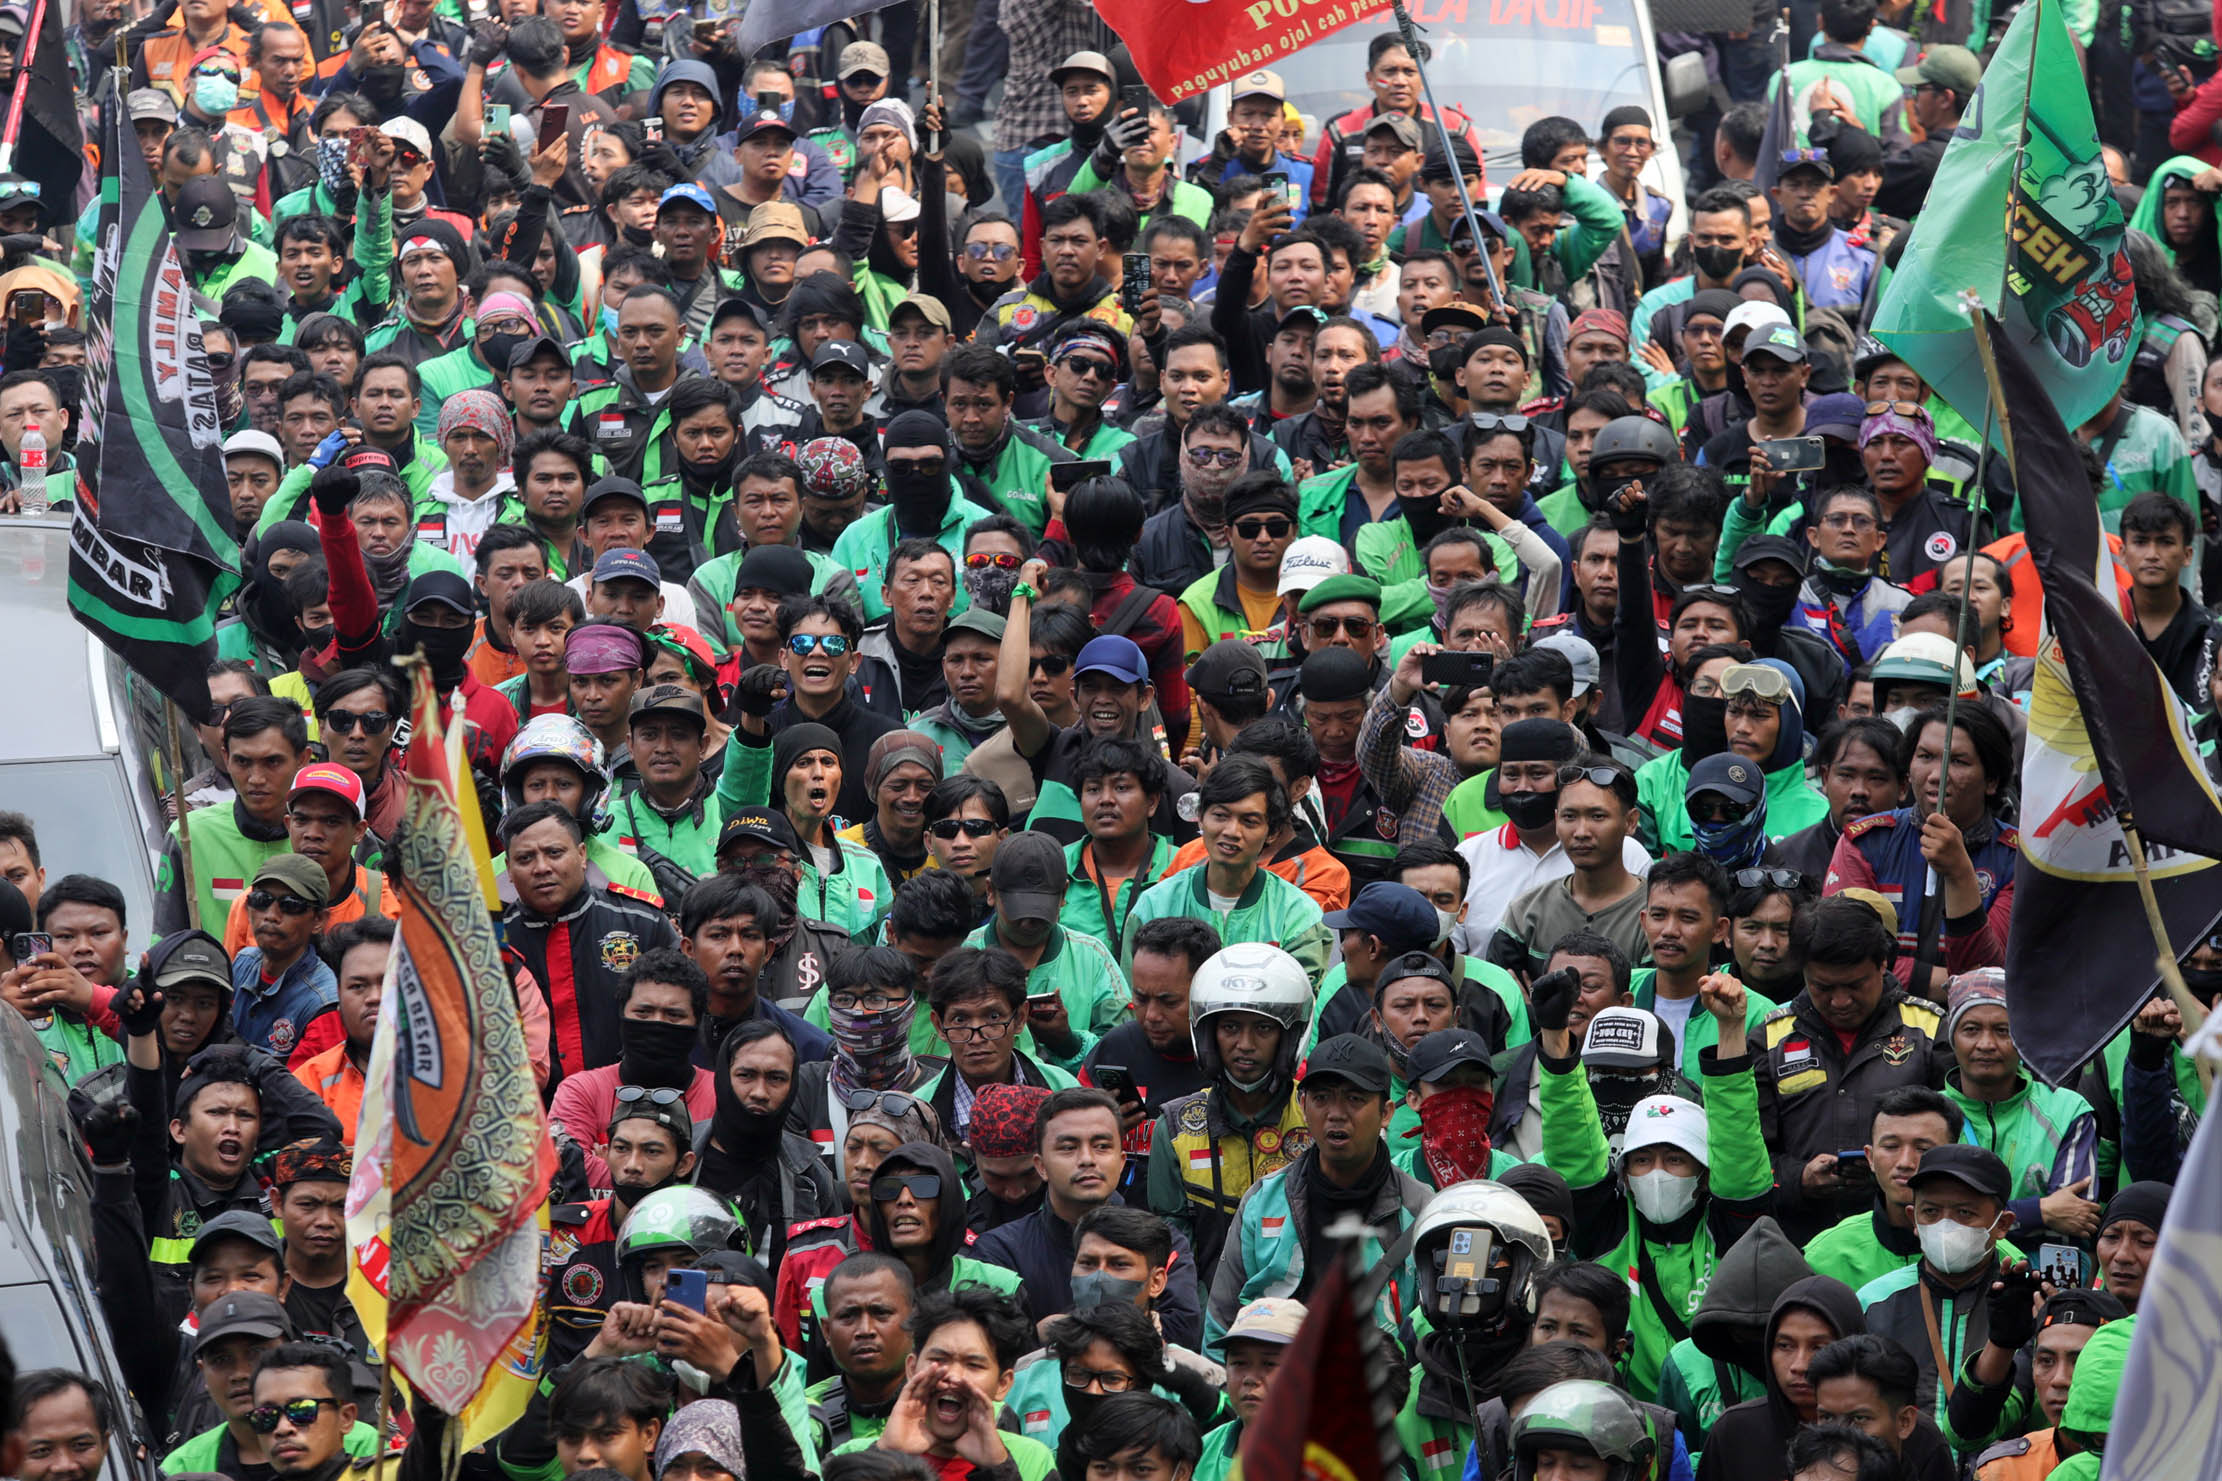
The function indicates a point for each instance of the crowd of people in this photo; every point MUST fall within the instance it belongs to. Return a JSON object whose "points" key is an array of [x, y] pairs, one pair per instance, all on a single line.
{"points": [[1060, 722]]}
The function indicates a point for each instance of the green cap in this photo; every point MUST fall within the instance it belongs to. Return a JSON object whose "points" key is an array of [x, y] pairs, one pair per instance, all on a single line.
{"points": [[977, 619], [1342, 589], [1954, 67]]}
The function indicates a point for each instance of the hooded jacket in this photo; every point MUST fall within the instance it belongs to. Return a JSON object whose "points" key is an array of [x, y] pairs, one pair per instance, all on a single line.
{"points": [[1720, 1362], [1747, 1442], [1662, 785], [796, 1187], [951, 1269], [2092, 1394]]}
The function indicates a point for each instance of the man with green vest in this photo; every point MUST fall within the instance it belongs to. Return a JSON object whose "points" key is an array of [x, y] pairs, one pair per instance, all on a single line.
{"points": [[388, 392], [235, 1330], [1855, 83], [622, 416], [475, 491], [671, 815], [217, 254], [1119, 783], [1870, 1244], [1938, 1308], [2047, 1137], [1242, 598], [971, 1341], [868, 1299], [925, 497], [1765, 723], [997, 455], [266, 741], [1685, 920], [1073, 983]]}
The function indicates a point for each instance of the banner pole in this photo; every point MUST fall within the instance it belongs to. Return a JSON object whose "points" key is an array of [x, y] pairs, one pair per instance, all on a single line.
{"points": [[1410, 31], [2171, 976], [23, 70], [173, 755]]}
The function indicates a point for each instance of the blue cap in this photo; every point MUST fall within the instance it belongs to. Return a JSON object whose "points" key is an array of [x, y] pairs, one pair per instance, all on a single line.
{"points": [[1114, 655], [693, 195], [1397, 913], [628, 565]]}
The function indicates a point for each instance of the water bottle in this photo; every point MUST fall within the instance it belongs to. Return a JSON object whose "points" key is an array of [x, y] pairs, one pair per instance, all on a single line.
{"points": [[31, 463]]}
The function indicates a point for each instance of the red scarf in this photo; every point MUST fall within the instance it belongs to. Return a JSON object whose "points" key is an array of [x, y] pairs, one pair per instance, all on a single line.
{"points": [[1454, 1133]]}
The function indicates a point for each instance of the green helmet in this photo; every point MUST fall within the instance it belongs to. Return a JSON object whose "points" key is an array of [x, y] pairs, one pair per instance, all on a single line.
{"points": [[685, 1221], [1585, 1415]]}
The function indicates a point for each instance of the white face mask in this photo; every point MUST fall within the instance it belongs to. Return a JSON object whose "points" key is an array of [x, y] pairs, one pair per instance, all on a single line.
{"points": [[1662, 1196], [1445, 923], [1952, 1248]]}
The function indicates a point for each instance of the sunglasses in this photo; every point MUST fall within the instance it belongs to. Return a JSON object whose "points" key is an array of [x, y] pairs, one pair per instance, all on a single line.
{"points": [[1596, 776], [1490, 422], [300, 1413], [1324, 628], [1899, 408], [969, 827], [1273, 527], [1049, 666], [1773, 879], [344, 722], [989, 251], [918, 468], [1711, 807], [219, 362], [655, 1095], [292, 905], [922, 1186], [887, 1102], [1223, 457], [1001, 560], [1088, 365], [1723, 592], [802, 645], [901, 228]]}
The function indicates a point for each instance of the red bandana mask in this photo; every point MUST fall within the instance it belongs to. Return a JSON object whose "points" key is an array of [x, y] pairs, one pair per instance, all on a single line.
{"points": [[1454, 1133]]}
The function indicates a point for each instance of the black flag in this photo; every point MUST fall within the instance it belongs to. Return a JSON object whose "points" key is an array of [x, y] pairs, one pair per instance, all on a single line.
{"points": [[50, 144], [152, 553]]}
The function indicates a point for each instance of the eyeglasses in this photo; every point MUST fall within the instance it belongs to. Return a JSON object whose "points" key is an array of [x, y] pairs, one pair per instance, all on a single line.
{"points": [[1088, 365], [1108, 1381], [974, 1033], [1222, 457], [989, 251], [1324, 628], [922, 1186], [919, 468], [969, 827], [655, 1095], [1770, 684], [300, 1413], [292, 905], [802, 645], [1049, 666], [343, 722], [1723, 592], [1490, 422], [1773, 879], [1849, 521], [891, 1102], [219, 362], [1001, 560], [1273, 527], [1897, 408], [868, 1002]]}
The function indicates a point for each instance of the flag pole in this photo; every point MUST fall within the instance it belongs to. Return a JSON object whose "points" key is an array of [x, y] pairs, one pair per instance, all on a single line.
{"points": [[23, 70], [1410, 31], [173, 754]]}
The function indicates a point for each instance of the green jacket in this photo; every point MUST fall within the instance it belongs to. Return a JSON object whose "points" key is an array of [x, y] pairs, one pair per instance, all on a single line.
{"points": [[863, 893], [1181, 198], [291, 501], [1082, 972], [1264, 1255], [1853, 1251], [2093, 1393], [1740, 1182], [2047, 1137], [1016, 473], [224, 862], [864, 547], [75, 1046], [1597, 225], [1033, 1460], [1215, 601], [450, 374], [1703, 1031], [1792, 803], [1386, 551], [1086, 908], [1269, 909], [1873, 92], [199, 1453], [1467, 809], [711, 586], [689, 837]]}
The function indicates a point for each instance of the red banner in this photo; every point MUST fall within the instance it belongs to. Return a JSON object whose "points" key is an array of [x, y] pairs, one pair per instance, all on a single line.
{"points": [[1185, 47]]}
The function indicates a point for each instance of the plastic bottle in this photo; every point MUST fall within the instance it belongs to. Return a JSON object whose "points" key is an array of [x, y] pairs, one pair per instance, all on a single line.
{"points": [[31, 463]]}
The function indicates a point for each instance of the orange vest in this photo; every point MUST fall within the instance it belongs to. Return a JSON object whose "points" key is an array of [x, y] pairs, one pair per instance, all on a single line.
{"points": [[168, 54], [238, 935], [333, 1079], [610, 68], [2030, 1457], [2026, 611]]}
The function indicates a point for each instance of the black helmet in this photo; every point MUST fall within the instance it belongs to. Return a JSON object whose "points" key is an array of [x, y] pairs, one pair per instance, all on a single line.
{"points": [[1634, 439]]}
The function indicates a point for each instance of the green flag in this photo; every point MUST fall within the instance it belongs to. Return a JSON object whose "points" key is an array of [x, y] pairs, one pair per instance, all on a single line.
{"points": [[2051, 240]]}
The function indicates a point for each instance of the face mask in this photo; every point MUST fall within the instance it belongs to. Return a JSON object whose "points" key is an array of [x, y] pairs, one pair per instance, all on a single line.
{"points": [[1770, 606], [1098, 1288], [331, 163], [991, 589], [1704, 727], [2205, 983], [1733, 845], [1718, 263], [215, 94], [1081, 1406], [1454, 1133], [497, 348], [1662, 1196], [1839, 580], [920, 501], [444, 647], [1903, 717], [316, 639], [656, 1053], [382, 85], [1442, 362], [635, 236], [1953, 1249], [1425, 517], [1529, 810], [609, 320], [69, 382], [1445, 923]]}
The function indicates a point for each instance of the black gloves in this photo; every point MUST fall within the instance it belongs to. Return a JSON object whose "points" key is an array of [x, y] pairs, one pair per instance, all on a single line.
{"points": [[1551, 998], [2012, 1311], [489, 39], [1631, 514], [139, 1007], [109, 1129], [26, 345], [759, 689], [333, 489], [1127, 131]]}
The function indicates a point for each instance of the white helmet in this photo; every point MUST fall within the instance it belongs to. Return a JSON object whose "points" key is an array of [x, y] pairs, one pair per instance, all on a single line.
{"points": [[1467, 1232], [1250, 977]]}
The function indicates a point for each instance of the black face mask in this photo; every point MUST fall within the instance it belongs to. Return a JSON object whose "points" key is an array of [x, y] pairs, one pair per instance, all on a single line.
{"points": [[920, 501], [1718, 263], [382, 85], [651, 1052], [638, 236], [1443, 362], [497, 348], [2205, 983], [1425, 517], [1082, 1405], [1704, 727], [316, 639], [738, 1128], [1770, 606], [1528, 810], [444, 648], [69, 384]]}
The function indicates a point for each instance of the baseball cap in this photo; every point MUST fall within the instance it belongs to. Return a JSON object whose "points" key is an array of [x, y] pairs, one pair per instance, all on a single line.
{"points": [[694, 195], [260, 444], [297, 873], [775, 221], [1403, 125], [1228, 669], [672, 699], [1839, 414], [844, 352], [15, 188], [448, 588], [12, 20], [241, 1313], [1029, 877], [1417, 964], [1259, 84], [610, 488], [897, 205], [666, 1107], [926, 306], [238, 1223], [1623, 1039], [1665, 1121], [1755, 315], [408, 131], [324, 776], [1309, 560], [1977, 1167], [1580, 653], [1793, 160], [1348, 1057], [1954, 67], [1114, 655], [764, 123], [523, 351], [1302, 315], [1397, 913], [151, 102], [1274, 1319], [1463, 318], [207, 214], [1780, 341], [761, 824], [191, 956], [1728, 774], [1085, 61], [978, 620], [863, 56], [1761, 548], [628, 565], [1437, 1054]]}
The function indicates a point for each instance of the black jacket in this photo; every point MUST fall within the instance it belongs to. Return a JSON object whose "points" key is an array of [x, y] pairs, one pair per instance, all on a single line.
{"points": [[582, 956], [1151, 464], [1040, 1248], [1173, 552], [857, 727]]}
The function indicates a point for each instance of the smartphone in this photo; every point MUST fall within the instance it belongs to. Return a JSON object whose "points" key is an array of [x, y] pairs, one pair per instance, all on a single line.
{"points": [[1137, 98], [29, 944], [1134, 280], [1277, 181], [1065, 477], [27, 306], [688, 1288], [1036, 361], [497, 119], [2062, 1264], [1458, 670], [1853, 1164], [358, 146], [1792, 454], [554, 119], [1114, 1081], [652, 128], [374, 13]]}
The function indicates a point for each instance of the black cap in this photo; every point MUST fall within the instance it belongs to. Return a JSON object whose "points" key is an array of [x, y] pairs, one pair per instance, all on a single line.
{"points": [[241, 1314], [1977, 1167], [522, 352], [2080, 1306], [1228, 669], [1029, 877], [652, 1103], [1770, 548], [1728, 774], [1348, 1057], [206, 213], [759, 823], [1437, 1054], [736, 307], [1335, 674], [238, 1223], [1396, 913], [448, 588], [612, 487], [842, 352], [190, 956]]}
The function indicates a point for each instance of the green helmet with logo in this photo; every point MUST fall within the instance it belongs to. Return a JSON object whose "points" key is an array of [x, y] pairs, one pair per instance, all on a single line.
{"points": [[683, 1222], [1587, 1416]]}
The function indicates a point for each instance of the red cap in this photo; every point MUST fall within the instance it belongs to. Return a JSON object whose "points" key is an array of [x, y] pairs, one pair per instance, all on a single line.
{"points": [[323, 776]]}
